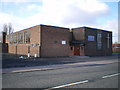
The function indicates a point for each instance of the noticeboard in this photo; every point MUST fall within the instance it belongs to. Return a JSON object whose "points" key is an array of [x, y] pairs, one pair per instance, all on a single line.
{"points": [[63, 42], [91, 38]]}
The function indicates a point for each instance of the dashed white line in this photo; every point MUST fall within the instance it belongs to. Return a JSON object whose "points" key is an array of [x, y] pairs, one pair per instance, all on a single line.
{"points": [[110, 75], [80, 82], [61, 86]]}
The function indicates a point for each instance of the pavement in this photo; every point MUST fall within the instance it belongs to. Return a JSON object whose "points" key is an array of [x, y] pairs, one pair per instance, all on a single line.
{"points": [[12, 64], [81, 62]]}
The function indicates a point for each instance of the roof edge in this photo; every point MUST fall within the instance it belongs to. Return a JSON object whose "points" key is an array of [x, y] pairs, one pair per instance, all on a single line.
{"points": [[91, 28]]}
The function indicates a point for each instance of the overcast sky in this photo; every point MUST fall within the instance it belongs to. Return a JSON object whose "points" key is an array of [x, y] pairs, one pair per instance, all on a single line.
{"points": [[23, 14]]}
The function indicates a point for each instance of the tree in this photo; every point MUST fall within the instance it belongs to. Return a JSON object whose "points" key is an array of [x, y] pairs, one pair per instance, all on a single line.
{"points": [[5, 28], [8, 28]]}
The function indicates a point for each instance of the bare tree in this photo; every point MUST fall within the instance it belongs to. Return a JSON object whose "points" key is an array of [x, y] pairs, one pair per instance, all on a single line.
{"points": [[8, 28], [5, 28]]}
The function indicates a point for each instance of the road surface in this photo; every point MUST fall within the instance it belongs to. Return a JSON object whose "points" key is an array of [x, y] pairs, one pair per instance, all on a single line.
{"points": [[96, 76]]}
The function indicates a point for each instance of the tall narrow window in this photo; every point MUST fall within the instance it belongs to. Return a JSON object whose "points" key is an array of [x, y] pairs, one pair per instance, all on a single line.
{"points": [[99, 41], [20, 38], [11, 39], [108, 40], [14, 39], [26, 37]]}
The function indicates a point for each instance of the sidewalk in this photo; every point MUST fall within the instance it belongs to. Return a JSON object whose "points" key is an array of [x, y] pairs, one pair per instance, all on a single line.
{"points": [[31, 62], [58, 66]]}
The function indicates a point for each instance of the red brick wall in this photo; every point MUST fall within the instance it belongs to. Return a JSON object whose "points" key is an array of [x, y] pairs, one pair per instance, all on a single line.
{"points": [[23, 48], [34, 50], [12, 49], [50, 35], [114, 49]]}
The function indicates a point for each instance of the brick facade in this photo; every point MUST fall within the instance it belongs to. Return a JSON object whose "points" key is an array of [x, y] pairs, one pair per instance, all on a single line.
{"points": [[88, 38], [52, 41], [22, 49], [52, 38], [116, 48]]}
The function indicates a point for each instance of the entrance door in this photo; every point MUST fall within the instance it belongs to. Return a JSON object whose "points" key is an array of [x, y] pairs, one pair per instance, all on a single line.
{"points": [[77, 50]]}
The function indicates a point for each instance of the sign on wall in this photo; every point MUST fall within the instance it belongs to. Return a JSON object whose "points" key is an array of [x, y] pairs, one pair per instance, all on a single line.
{"points": [[63, 42], [91, 38]]}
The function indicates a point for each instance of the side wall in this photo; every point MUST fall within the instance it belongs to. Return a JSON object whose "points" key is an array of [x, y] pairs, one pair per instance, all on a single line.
{"points": [[23, 49], [79, 34], [52, 38], [91, 47]]}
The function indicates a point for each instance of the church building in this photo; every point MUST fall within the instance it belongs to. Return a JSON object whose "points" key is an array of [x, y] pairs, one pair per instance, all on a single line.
{"points": [[53, 41]]}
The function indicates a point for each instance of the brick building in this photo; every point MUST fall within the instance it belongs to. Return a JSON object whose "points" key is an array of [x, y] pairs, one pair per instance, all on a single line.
{"points": [[52, 41], [3, 44], [116, 48], [91, 41], [43, 40]]}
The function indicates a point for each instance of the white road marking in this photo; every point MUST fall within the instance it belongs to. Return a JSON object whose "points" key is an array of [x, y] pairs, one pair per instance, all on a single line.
{"points": [[28, 70], [110, 75], [61, 86], [80, 82]]}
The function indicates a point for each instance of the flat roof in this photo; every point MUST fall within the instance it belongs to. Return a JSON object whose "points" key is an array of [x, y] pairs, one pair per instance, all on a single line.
{"points": [[53, 26], [37, 25], [91, 28], [59, 27]]}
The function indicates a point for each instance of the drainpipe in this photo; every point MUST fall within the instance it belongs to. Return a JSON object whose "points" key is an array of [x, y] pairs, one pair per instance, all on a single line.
{"points": [[16, 50]]}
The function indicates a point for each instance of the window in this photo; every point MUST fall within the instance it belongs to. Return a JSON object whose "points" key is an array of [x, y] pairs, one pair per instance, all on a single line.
{"points": [[14, 39], [20, 38], [26, 37], [91, 38], [99, 41], [108, 40], [7, 37], [11, 39]]}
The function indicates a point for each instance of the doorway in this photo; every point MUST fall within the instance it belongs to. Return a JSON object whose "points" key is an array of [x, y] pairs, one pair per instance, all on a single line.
{"points": [[77, 50]]}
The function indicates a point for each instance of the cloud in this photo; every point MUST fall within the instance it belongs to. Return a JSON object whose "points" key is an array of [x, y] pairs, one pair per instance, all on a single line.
{"points": [[74, 11], [30, 10], [109, 0], [64, 13], [17, 22], [33, 7], [20, 1]]}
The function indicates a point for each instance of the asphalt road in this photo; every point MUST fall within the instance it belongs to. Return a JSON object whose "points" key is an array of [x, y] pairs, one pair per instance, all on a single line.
{"points": [[102, 76]]}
